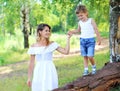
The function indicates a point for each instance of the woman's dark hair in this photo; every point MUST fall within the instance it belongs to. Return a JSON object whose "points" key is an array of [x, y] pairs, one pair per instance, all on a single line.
{"points": [[41, 28]]}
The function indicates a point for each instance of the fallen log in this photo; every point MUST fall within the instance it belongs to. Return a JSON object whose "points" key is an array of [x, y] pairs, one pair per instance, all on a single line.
{"points": [[103, 80]]}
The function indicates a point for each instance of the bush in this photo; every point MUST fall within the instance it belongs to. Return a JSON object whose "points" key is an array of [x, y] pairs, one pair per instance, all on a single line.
{"points": [[2, 60]]}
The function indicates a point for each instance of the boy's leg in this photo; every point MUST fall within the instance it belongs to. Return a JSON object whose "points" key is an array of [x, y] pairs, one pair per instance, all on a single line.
{"points": [[91, 50], [85, 66], [93, 65], [85, 62], [92, 61], [83, 49]]}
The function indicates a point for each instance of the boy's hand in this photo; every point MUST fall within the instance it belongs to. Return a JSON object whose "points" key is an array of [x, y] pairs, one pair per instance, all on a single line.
{"points": [[70, 33], [99, 42]]}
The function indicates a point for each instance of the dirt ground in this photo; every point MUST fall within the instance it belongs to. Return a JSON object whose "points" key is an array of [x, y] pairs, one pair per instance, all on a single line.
{"points": [[18, 69]]}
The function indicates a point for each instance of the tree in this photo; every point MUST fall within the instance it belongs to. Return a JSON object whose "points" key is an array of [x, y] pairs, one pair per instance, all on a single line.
{"points": [[25, 23], [114, 33], [59, 14], [64, 10]]}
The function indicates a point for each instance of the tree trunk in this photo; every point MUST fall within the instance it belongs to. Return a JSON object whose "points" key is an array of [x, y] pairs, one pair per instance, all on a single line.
{"points": [[25, 24], [105, 79], [114, 33]]}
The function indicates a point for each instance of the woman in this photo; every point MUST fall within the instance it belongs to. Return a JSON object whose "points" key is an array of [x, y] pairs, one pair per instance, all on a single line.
{"points": [[44, 75]]}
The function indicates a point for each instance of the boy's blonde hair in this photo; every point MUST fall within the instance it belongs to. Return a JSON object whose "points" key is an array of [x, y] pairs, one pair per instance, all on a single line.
{"points": [[81, 9]]}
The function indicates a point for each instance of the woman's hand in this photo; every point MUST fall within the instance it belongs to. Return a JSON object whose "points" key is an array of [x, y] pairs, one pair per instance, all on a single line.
{"points": [[29, 83], [68, 36], [70, 33]]}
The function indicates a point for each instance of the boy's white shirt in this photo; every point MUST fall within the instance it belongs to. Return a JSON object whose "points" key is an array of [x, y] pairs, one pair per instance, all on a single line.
{"points": [[87, 30]]}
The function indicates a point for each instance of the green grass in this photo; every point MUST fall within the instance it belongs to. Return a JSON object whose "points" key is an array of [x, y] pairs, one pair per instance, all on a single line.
{"points": [[11, 56], [12, 51], [104, 34], [115, 89], [14, 84], [68, 68]]}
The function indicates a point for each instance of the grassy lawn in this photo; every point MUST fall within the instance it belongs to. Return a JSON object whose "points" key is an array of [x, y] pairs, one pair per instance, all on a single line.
{"points": [[68, 68], [12, 51]]}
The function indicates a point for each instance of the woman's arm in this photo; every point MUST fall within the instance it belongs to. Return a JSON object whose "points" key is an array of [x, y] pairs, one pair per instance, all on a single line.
{"points": [[30, 69], [67, 48]]}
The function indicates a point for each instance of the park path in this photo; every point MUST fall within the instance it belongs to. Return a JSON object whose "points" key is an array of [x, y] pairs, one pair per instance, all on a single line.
{"points": [[19, 69]]}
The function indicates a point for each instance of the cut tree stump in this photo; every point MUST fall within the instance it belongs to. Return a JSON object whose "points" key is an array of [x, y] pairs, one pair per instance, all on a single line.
{"points": [[103, 80]]}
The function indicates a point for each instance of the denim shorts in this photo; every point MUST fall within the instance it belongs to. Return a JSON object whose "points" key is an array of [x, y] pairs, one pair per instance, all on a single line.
{"points": [[87, 46]]}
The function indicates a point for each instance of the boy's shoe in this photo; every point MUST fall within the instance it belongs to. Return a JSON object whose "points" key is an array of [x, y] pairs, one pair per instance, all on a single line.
{"points": [[86, 72], [94, 70]]}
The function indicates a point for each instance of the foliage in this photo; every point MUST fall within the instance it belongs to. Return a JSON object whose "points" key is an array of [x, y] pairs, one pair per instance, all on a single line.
{"points": [[58, 13], [2, 60], [99, 10]]}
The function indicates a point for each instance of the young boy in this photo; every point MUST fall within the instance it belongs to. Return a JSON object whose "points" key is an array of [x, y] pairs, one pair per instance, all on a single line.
{"points": [[87, 27]]}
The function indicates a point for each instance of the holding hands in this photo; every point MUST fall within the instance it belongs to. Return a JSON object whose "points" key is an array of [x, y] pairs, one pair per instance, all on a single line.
{"points": [[70, 33]]}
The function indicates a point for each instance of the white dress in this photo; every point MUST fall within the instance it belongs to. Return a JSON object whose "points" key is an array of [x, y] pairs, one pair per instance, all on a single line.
{"points": [[45, 76]]}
